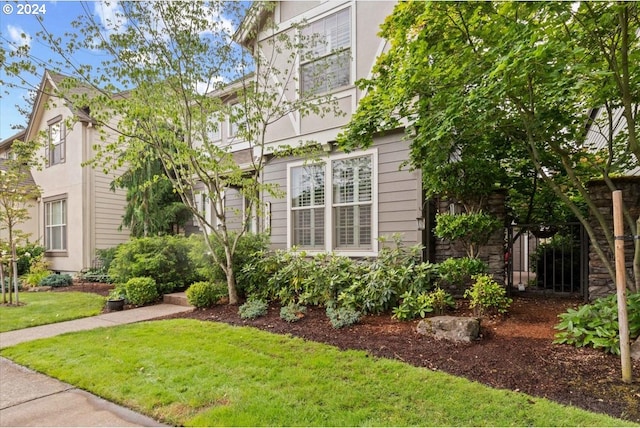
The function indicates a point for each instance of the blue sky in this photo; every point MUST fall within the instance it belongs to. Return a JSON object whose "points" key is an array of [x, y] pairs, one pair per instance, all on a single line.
{"points": [[19, 26], [16, 28]]}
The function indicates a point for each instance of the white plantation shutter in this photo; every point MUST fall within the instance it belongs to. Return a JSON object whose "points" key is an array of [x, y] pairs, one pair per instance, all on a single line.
{"points": [[352, 200], [307, 204]]}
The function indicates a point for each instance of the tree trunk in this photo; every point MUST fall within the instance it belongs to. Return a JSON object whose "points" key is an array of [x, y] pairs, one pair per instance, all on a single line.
{"points": [[4, 295], [15, 271], [636, 257], [231, 278]]}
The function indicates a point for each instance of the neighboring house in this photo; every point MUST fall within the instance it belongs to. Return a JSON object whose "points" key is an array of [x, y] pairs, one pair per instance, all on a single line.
{"points": [[77, 212], [345, 201], [599, 128], [29, 226]]}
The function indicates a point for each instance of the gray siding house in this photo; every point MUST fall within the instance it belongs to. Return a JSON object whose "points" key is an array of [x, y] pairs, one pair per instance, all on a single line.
{"points": [[340, 202]]}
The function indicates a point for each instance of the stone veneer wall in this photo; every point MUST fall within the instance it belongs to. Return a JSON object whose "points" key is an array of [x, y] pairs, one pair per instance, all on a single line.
{"points": [[600, 283], [493, 252]]}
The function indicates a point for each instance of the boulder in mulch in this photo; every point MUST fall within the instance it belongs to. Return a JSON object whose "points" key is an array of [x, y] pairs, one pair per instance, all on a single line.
{"points": [[457, 329]]}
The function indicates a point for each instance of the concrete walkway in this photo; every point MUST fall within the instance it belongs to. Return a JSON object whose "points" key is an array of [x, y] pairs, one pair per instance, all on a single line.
{"points": [[28, 398]]}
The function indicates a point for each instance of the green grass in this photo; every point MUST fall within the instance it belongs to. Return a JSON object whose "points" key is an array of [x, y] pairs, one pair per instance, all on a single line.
{"points": [[47, 308], [187, 372]]}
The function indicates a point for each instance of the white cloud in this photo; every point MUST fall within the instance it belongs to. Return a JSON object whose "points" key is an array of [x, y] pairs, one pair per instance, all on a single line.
{"points": [[18, 37], [111, 15], [213, 85], [221, 23]]}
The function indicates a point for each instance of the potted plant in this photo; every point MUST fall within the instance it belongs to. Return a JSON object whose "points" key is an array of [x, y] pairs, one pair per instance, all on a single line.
{"points": [[116, 299]]}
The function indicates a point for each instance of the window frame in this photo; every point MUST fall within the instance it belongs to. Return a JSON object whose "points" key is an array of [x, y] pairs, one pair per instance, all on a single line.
{"points": [[312, 207], [60, 144], [232, 134], [329, 53], [214, 133], [48, 228], [330, 229]]}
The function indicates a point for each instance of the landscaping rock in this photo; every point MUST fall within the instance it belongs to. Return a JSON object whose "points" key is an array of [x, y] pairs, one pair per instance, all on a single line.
{"points": [[635, 349], [457, 329]]}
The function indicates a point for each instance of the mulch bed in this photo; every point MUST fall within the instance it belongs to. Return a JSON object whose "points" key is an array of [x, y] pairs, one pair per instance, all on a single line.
{"points": [[514, 352]]}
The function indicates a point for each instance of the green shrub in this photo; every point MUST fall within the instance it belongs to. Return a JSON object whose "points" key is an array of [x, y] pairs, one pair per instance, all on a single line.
{"points": [[255, 275], [596, 324], [163, 258], [471, 229], [459, 272], [342, 316], [204, 294], [288, 282], [379, 283], [56, 280], [250, 247], [141, 291], [117, 293], [100, 274], [38, 271], [26, 255], [414, 305], [253, 309], [487, 296], [292, 312], [329, 274], [106, 256], [370, 286], [290, 276]]}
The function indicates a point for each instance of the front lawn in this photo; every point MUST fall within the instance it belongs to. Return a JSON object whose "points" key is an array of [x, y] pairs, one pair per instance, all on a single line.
{"points": [[47, 308], [187, 372]]}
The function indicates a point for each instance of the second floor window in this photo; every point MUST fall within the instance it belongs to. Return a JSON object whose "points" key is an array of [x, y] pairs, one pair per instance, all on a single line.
{"points": [[56, 147], [327, 61]]}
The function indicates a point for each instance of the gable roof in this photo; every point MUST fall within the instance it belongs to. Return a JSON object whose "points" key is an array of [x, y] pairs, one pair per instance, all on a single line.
{"points": [[8, 142], [252, 21], [77, 89], [28, 178], [50, 86]]}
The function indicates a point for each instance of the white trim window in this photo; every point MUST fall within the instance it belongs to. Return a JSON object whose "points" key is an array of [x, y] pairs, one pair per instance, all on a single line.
{"points": [[214, 131], [236, 121], [352, 202], [333, 205], [56, 147], [55, 226], [326, 63], [307, 200]]}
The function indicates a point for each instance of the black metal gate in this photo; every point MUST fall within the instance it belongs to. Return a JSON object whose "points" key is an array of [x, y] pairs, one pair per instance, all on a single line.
{"points": [[548, 258]]}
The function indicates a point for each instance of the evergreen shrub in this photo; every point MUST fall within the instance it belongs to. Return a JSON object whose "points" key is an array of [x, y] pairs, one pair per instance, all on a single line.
{"points": [[203, 294], [56, 280], [163, 258], [253, 309], [141, 291], [487, 296]]}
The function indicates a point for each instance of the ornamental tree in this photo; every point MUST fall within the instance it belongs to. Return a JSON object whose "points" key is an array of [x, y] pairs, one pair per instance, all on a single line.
{"points": [[172, 75], [18, 192], [507, 88]]}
